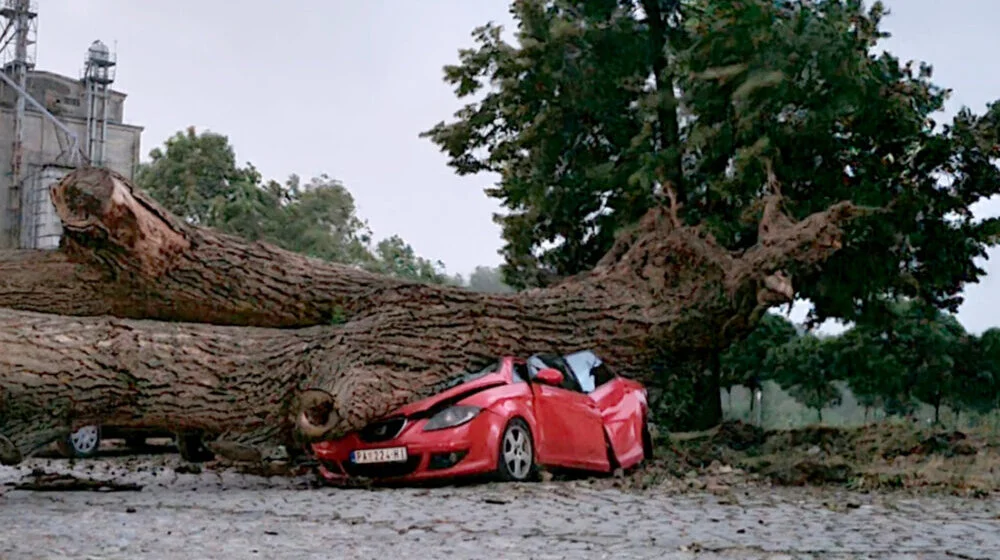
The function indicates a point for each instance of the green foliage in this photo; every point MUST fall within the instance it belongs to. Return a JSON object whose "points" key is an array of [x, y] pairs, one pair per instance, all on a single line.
{"points": [[597, 103], [395, 257], [745, 362], [318, 219], [920, 353], [806, 367], [982, 371], [488, 280], [675, 389], [917, 356], [556, 120], [873, 373], [196, 177]]}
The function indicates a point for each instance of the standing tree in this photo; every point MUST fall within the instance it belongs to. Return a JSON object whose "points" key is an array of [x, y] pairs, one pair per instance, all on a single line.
{"points": [[870, 366], [195, 176], [488, 280], [912, 353], [928, 343], [982, 389], [806, 367], [319, 219], [600, 105], [975, 379], [395, 257], [745, 363]]}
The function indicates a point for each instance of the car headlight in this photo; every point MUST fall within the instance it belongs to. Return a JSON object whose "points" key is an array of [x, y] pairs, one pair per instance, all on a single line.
{"points": [[451, 417]]}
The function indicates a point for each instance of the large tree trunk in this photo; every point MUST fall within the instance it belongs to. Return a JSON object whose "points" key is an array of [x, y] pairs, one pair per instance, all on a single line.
{"points": [[123, 255], [371, 343]]}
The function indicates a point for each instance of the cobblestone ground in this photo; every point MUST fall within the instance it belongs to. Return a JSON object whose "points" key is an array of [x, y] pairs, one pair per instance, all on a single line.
{"points": [[227, 515]]}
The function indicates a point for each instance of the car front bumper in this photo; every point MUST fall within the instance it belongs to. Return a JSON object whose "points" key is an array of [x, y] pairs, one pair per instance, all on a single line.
{"points": [[466, 450]]}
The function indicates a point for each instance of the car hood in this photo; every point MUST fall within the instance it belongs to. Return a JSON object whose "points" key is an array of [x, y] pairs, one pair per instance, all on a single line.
{"points": [[453, 395]]}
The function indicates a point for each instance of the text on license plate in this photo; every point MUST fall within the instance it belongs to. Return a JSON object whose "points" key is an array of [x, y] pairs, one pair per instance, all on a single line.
{"points": [[384, 455]]}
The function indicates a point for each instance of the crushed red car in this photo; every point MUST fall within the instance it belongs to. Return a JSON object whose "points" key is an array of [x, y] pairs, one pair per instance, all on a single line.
{"points": [[506, 420]]}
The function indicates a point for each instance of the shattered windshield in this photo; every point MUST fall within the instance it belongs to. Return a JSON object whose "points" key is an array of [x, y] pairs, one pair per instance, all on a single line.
{"points": [[470, 376]]}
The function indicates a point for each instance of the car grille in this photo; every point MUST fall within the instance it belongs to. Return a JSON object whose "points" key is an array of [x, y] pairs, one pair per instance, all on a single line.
{"points": [[383, 430], [383, 470]]}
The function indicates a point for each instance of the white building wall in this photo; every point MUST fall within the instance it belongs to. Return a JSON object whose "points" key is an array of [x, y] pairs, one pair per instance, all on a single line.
{"points": [[44, 146], [41, 227]]}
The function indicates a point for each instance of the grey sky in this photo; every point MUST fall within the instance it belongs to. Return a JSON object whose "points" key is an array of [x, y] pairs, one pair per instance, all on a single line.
{"points": [[338, 87]]}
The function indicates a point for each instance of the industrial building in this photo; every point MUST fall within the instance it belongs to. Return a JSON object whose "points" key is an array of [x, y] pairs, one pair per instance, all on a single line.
{"points": [[49, 124]]}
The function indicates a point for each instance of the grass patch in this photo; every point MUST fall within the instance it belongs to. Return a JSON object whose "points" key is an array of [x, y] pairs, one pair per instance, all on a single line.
{"points": [[888, 455]]}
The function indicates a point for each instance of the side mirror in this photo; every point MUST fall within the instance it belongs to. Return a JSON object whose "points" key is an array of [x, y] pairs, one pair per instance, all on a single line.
{"points": [[550, 376]]}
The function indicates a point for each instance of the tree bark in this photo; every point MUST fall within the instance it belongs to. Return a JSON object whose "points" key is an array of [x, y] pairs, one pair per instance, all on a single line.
{"points": [[663, 286], [123, 255]]}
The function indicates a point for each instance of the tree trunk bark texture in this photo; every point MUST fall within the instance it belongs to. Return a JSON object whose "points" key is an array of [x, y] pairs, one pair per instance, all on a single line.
{"points": [[142, 320]]}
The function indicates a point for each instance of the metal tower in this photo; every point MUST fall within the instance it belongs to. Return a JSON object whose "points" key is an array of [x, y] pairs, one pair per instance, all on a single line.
{"points": [[98, 75], [18, 42]]}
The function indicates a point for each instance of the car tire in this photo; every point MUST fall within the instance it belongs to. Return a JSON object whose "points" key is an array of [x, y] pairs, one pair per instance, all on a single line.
{"points": [[81, 444], [613, 464], [192, 449], [647, 442], [516, 453]]}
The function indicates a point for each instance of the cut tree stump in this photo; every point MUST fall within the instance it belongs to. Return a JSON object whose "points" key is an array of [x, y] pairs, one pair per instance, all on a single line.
{"points": [[142, 320]]}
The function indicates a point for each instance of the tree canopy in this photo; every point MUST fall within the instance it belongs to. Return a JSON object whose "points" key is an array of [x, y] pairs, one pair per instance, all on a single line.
{"points": [[920, 355], [598, 106], [196, 176]]}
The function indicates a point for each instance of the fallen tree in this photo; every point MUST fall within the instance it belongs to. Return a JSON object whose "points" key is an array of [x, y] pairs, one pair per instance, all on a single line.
{"points": [[79, 346]]}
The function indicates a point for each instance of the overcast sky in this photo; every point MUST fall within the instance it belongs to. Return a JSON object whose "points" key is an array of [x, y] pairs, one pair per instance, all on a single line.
{"points": [[344, 88]]}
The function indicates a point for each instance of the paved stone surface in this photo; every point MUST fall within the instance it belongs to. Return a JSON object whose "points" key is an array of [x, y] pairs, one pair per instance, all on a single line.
{"points": [[229, 515]]}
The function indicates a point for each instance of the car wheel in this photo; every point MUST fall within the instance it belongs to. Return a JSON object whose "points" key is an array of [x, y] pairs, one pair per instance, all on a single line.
{"points": [[647, 442], [516, 462], [82, 443], [191, 447], [613, 464]]}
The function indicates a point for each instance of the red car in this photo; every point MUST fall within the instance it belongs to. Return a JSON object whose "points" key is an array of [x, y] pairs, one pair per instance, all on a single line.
{"points": [[507, 419]]}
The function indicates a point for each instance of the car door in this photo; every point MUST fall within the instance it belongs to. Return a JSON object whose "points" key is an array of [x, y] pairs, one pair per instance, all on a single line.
{"points": [[622, 413], [569, 424]]}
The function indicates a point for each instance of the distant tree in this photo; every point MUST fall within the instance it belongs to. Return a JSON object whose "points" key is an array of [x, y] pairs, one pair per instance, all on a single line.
{"points": [[806, 368], [394, 256], [989, 366], [926, 343], [745, 362], [975, 379], [870, 367], [977, 373], [195, 175], [488, 279], [319, 219]]}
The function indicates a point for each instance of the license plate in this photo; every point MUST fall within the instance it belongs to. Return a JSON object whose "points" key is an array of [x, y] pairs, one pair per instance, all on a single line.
{"points": [[384, 455]]}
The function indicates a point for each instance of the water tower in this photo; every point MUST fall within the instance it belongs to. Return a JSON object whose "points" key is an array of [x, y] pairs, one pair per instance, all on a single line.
{"points": [[98, 75]]}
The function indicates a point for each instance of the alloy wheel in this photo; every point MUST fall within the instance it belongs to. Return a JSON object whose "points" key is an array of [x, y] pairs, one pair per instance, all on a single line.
{"points": [[85, 440], [517, 452]]}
